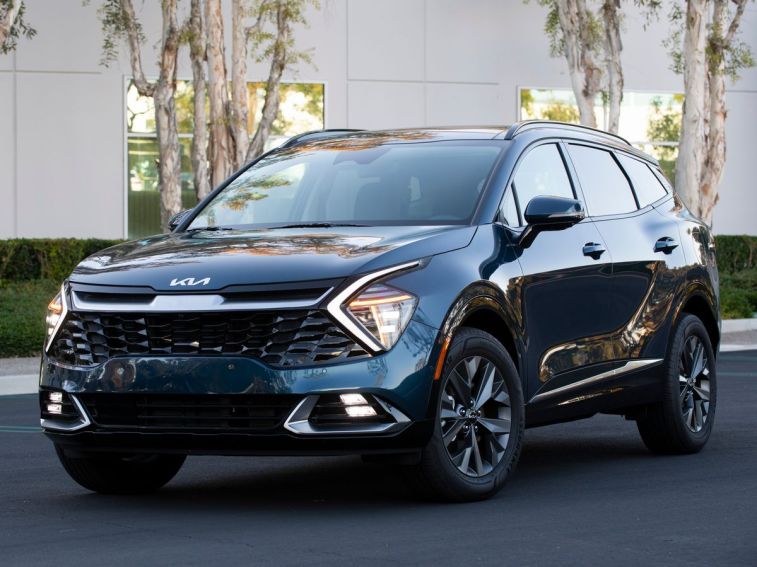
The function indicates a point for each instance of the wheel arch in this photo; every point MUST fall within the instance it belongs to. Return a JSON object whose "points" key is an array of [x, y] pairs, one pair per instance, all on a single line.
{"points": [[482, 306], [698, 303]]}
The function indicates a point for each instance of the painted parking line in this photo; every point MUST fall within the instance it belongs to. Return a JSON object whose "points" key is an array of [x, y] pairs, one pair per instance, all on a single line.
{"points": [[20, 429]]}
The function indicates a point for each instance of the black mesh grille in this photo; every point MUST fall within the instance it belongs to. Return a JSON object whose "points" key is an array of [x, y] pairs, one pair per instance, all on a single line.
{"points": [[189, 412], [279, 338]]}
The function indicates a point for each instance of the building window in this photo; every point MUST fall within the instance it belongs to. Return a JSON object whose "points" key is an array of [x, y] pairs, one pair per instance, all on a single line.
{"points": [[650, 121], [301, 109]]}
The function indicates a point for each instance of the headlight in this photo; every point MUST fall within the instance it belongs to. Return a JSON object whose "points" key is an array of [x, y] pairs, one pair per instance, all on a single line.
{"points": [[383, 311], [56, 312], [375, 313]]}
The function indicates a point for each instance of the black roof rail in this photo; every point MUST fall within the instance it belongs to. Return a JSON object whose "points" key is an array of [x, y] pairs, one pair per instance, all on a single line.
{"points": [[317, 135], [525, 125]]}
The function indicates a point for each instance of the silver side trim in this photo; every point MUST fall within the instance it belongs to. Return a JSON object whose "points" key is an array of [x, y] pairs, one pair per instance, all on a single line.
{"points": [[64, 312], [83, 422], [299, 424], [627, 367], [335, 305], [174, 303]]}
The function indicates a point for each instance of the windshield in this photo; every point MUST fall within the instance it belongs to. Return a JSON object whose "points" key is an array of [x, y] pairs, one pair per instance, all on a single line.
{"points": [[435, 183]]}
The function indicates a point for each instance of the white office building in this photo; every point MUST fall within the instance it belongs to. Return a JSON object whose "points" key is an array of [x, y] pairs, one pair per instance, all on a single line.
{"points": [[77, 145]]}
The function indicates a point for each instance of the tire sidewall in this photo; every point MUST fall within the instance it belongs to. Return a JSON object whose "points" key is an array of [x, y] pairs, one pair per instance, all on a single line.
{"points": [[471, 342], [690, 326]]}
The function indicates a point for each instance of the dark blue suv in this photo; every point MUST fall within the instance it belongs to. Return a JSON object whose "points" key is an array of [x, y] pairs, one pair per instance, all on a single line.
{"points": [[412, 296]]}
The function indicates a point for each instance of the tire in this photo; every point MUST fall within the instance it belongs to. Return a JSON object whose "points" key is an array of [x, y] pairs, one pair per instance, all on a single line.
{"points": [[121, 474], [682, 421], [444, 472]]}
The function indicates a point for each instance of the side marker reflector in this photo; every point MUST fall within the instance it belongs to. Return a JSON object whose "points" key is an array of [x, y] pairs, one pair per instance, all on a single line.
{"points": [[442, 358]]}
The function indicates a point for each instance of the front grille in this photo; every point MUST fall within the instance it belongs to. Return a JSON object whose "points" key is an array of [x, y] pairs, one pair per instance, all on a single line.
{"points": [[169, 412], [278, 338]]}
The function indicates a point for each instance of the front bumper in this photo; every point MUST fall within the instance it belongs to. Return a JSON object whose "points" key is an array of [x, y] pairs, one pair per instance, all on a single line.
{"points": [[401, 380]]}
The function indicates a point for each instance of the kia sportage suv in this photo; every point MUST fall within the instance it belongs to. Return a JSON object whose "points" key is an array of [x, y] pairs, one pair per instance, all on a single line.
{"points": [[412, 296]]}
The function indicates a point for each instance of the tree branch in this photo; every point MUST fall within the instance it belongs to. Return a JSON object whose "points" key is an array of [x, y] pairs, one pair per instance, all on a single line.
{"points": [[9, 19], [133, 35]]}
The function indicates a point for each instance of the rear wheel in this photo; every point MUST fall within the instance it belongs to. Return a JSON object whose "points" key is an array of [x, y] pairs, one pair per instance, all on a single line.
{"points": [[683, 420], [479, 422], [121, 474]]}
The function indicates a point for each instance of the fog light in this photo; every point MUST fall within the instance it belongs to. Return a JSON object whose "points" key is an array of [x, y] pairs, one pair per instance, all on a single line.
{"points": [[353, 399], [360, 411], [55, 397], [57, 409]]}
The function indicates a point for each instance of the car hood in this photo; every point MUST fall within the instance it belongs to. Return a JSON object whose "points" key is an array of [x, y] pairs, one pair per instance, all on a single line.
{"points": [[263, 256]]}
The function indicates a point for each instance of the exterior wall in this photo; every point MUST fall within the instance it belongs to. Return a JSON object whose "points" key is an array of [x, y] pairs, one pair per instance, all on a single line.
{"points": [[385, 64]]}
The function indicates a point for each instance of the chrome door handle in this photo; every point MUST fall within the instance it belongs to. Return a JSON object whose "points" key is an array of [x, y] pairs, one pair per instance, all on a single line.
{"points": [[665, 244], [594, 249]]}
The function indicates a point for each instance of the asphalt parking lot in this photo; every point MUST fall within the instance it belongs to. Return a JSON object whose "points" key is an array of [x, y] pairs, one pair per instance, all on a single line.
{"points": [[585, 493]]}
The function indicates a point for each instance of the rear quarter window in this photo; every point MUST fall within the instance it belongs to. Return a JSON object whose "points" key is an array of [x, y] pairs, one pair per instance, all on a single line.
{"points": [[648, 188]]}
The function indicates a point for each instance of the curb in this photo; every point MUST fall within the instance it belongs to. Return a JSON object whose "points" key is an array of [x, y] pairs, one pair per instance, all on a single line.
{"points": [[738, 325]]}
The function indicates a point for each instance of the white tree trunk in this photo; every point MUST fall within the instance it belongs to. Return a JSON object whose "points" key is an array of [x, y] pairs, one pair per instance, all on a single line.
{"points": [[692, 143], [279, 62], [169, 169], [200, 128], [585, 75], [8, 19], [613, 49], [221, 150], [238, 114]]}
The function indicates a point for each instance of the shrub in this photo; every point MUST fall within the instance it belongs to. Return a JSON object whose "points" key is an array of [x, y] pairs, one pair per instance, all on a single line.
{"points": [[22, 325], [45, 258], [736, 253]]}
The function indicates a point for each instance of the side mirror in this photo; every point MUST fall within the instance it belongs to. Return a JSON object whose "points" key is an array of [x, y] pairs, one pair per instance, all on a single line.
{"points": [[177, 219], [550, 213]]}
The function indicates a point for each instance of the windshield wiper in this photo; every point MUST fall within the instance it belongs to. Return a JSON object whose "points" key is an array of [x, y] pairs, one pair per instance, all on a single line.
{"points": [[316, 225], [209, 228]]}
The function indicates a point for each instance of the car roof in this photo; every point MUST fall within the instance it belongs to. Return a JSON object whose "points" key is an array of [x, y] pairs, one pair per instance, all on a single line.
{"points": [[533, 129]]}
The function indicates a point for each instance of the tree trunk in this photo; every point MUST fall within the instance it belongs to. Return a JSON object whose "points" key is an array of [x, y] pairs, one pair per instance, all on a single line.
{"points": [[238, 114], [272, 94], [8, 19], [613, 49], [692, 143], [200, 129], [585, 75], [169, 169], [221, 150]]}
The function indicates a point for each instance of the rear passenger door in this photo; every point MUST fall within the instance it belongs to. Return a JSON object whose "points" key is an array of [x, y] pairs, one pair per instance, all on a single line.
{"points": [[620, 191], [564, 293]]}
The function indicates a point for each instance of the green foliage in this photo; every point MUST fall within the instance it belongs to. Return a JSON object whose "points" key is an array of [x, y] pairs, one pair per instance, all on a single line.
{"points": [[736, 253], [45, 258], [737, 263], [22, 325], [265, 43], [114, 22], [20, 28]]}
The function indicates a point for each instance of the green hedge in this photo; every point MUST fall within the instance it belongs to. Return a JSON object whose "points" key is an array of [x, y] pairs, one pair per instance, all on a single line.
{"points": [[45, 258], [736, 253]]}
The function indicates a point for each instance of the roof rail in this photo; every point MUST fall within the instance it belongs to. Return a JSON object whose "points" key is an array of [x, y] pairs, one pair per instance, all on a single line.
{"points": [[525, 125], [317, 135]]}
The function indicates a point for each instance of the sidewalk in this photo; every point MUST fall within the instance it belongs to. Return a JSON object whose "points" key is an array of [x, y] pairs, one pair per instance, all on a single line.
{"points": [[21, 375]]}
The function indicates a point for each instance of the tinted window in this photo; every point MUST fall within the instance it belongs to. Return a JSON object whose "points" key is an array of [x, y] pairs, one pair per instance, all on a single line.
{"points": [[605, 188], [541, 172], [648, 188], [364, 182]]}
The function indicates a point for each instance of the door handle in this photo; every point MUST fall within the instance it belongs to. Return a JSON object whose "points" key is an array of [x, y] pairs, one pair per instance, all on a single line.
{"points": [[665, 244], [594, 249]]}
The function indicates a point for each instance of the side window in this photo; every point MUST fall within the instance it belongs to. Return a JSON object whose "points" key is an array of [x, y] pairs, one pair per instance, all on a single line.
{"points": [[648, 188], [541, 172], [604, 185]]}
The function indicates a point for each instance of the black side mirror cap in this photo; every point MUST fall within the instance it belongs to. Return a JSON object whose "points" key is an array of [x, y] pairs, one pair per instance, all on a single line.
{"points": [[547, 212], [177, 219]]}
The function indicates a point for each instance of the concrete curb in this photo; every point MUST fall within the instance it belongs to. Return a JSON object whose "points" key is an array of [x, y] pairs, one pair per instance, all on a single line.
{"points": [[23, 384], [738, 325]]}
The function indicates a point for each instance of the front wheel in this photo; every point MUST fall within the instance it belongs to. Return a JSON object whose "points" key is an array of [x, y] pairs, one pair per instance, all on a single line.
{"points": [[683, 420], [479, 422], [121, 474]]}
